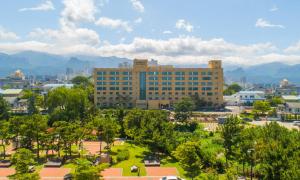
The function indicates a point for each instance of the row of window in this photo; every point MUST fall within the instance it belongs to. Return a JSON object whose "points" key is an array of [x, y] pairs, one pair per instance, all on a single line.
{"points": [[114, 88], [114, 83], [113, 73], [155, 73], [114, 78], [169, 78], [181, 73], [180, 88], [163, 93]]}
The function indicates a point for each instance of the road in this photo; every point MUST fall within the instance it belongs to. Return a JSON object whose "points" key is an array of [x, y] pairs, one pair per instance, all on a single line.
{"points": [[288, 125]]}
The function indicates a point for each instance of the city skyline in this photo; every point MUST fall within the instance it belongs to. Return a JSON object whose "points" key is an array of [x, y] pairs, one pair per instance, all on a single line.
{"points": [[244, 33]]}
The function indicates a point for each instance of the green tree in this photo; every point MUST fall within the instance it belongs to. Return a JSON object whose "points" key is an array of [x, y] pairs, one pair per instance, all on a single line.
{"points": [[81, 81], [4, 109], [22, 159], [68, 104], [274, 101], [85, 170], [150, 127], [230, 132], [261, 107], [277, 152], [16, 124], [232, 89], [189, 157], [4, 135], [183, 109]]}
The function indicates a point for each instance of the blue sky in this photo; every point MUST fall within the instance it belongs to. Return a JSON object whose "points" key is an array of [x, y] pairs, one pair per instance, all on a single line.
{"points": [[242, 32]]}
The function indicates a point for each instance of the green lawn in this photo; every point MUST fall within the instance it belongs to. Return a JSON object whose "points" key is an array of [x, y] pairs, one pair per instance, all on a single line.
{"points": [[137, 154]]}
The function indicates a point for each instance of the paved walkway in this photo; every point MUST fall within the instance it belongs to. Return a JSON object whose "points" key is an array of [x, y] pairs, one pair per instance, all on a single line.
{"points": [[54, 173], [153, 173], [4, 172]]}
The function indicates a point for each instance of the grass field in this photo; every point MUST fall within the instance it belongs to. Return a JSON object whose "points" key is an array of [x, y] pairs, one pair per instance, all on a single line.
{"points": [[137, 154]]}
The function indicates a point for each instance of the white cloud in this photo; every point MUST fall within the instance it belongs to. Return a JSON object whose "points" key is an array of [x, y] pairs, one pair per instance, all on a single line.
{"points": [[183, 24], [295, 48], [274, 8], [138, 20], [46, 6], [66, 36], [261, 23], [167, 32], [137, 5], [78, 10], [180, 50], [113, 23], [7, 35]]}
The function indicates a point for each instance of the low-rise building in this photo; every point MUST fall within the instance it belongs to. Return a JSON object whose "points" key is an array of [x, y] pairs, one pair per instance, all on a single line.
{"points": [[291, 98], [244, 98], [12, 96], [292, 107]]}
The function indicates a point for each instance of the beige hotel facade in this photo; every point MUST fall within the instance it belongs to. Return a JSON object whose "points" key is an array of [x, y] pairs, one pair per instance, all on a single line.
{"points": [[148, 85]]}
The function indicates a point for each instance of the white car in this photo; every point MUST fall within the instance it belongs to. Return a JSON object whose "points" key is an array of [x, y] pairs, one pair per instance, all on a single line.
{"points": [[171, 178]]}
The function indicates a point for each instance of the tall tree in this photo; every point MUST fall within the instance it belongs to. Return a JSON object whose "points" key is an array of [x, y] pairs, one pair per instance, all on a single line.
{"points": [[22, 159], [4, 109], [261, 107], [230, 131], [4, 135], [85, 170], [189, 157], [183, 109]]}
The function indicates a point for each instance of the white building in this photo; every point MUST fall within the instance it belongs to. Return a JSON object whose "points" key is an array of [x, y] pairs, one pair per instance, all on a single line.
{"points": [[48, 87], [244, 97]]}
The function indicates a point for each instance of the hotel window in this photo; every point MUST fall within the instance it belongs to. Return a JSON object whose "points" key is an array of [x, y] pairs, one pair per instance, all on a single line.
{"points": [[114, 73], [101, 73], [209, 93], [193, 78], [153, 78], [153, 83], [209, 83], [113, 78], [100, 78], [166, 73], [206, 78], [125, 88], [203, 73], [114, 83], [101, 88], [179, 83], [179, 88], [166, 88], [153, 88], [209, 73], [101, 83], [180, 73], [126, 78], [179, 78], [125, 73], [167, 83], [193, 73], [153, 73], [166, 78], [125, 83]]}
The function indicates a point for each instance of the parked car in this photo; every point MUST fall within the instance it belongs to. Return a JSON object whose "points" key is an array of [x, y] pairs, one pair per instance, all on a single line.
{"points": [[171, 178]]}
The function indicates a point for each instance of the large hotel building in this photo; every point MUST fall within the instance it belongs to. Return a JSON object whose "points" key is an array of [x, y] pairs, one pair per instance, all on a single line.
{"points": [[151, 86]]}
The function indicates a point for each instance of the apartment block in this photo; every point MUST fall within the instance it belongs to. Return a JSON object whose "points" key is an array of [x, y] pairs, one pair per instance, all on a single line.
{"points": [[148, 85]]}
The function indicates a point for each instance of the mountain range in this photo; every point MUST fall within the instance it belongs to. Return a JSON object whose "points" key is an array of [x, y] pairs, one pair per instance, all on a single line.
{"points": [[37, 63]]}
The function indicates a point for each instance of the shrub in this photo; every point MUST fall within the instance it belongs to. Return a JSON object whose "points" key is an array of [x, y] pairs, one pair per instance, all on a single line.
{"points": [[123, 155]]}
